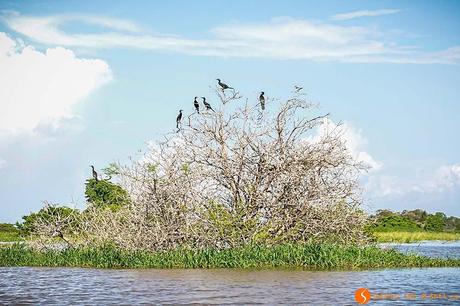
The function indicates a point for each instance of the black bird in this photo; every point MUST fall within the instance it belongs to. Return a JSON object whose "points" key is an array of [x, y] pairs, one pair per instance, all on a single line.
{"points": [[297, 88], [262, 100], [206, 104], [94, 173], [223, 85], [178, 119], [197, 105]]}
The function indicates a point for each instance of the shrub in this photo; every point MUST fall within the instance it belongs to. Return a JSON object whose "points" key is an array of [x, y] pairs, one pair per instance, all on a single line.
{"points": [[435, 222], [396, 223], [105, 194], [50, 221]]}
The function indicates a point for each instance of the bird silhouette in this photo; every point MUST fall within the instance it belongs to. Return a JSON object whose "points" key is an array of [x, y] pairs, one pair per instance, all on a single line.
{"points": [[197, 105], [223, 85], [262, 100], [94, 173], [178, 119], [297, 88], [206, 104]]}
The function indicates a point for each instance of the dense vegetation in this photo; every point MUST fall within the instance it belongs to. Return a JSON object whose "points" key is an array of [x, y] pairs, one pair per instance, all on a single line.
{"points": [[9, 232], [413, 225], [47, 214], [105, 194], [414, 221], [308, 256]]}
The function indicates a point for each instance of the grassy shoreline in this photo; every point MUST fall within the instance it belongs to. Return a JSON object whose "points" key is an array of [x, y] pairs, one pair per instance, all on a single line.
{"points": [[407, 237], [9, 236], [309, 256]]}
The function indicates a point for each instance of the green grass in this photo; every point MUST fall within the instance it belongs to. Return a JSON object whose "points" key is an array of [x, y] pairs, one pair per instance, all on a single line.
{"points": [[309, 256], [9, 236], [9, 233], [414, 236]]}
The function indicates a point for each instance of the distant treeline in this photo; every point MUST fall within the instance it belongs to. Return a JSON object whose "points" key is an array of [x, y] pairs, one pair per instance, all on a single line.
{"points": [[413, 220], [6, 227]]}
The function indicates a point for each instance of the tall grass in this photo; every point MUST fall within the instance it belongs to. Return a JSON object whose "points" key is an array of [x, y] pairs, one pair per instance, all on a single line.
{"points": [[9, 236], [414, 236], [307, 256]]}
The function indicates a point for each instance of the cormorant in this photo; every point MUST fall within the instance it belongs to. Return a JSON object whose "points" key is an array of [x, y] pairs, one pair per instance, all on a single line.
{"points": [[178, 119], [262, 100], [206, 104], [223, 85], [197, 105], [94, 173]]}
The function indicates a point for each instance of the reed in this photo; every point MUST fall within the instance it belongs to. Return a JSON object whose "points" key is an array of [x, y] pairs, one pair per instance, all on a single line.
{"points": [[306, 256], [408, 237]]}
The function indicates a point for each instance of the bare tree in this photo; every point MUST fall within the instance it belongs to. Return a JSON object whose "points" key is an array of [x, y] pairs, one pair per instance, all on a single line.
{"points": [[238, 176]]}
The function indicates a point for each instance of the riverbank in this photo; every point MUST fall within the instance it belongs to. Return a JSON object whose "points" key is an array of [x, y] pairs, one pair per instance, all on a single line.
{"points": [[407, 237], [309, 256]]}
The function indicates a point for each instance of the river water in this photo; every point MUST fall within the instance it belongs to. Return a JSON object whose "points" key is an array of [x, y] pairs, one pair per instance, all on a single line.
{"points": [[75, 286]]}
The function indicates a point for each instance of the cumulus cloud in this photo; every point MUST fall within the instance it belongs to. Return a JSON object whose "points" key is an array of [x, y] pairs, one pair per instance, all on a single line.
{"points": [[280, 38], [354, 140], [364, 13], [444, 179], [39, 87]]}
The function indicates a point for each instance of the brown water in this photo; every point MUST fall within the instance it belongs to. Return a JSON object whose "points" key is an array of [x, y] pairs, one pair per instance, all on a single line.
{"points": [[75, 286]]}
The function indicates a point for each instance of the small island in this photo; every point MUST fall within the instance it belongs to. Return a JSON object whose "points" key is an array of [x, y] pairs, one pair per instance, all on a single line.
{"points": [[232, 186]]}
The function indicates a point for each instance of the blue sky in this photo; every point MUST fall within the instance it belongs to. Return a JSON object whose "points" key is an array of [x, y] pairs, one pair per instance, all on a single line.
{"points": [[91, 82]]}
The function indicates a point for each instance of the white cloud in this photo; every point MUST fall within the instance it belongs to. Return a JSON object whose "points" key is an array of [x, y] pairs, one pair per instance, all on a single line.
{"points": [[441, 180], [281, 38], [384, 186], [446, 177], [364, 13], [43, 86], [354, 141]]}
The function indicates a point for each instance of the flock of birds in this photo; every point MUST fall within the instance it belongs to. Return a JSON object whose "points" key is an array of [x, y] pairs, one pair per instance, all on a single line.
{"points": [[207, 106]]}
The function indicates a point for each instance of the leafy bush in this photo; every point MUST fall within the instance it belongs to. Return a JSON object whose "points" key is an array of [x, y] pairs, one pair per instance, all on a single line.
{"points": [[396, 223], [105, 194], [414, 220], [61, 217], [436, 222]]}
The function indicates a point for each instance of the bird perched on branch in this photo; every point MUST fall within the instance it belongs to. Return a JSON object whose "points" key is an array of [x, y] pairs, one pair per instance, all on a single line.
{"points": [[197, 105], [94, 173], [262, 100], [178, 119], [223, 85], [206, 104]]}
